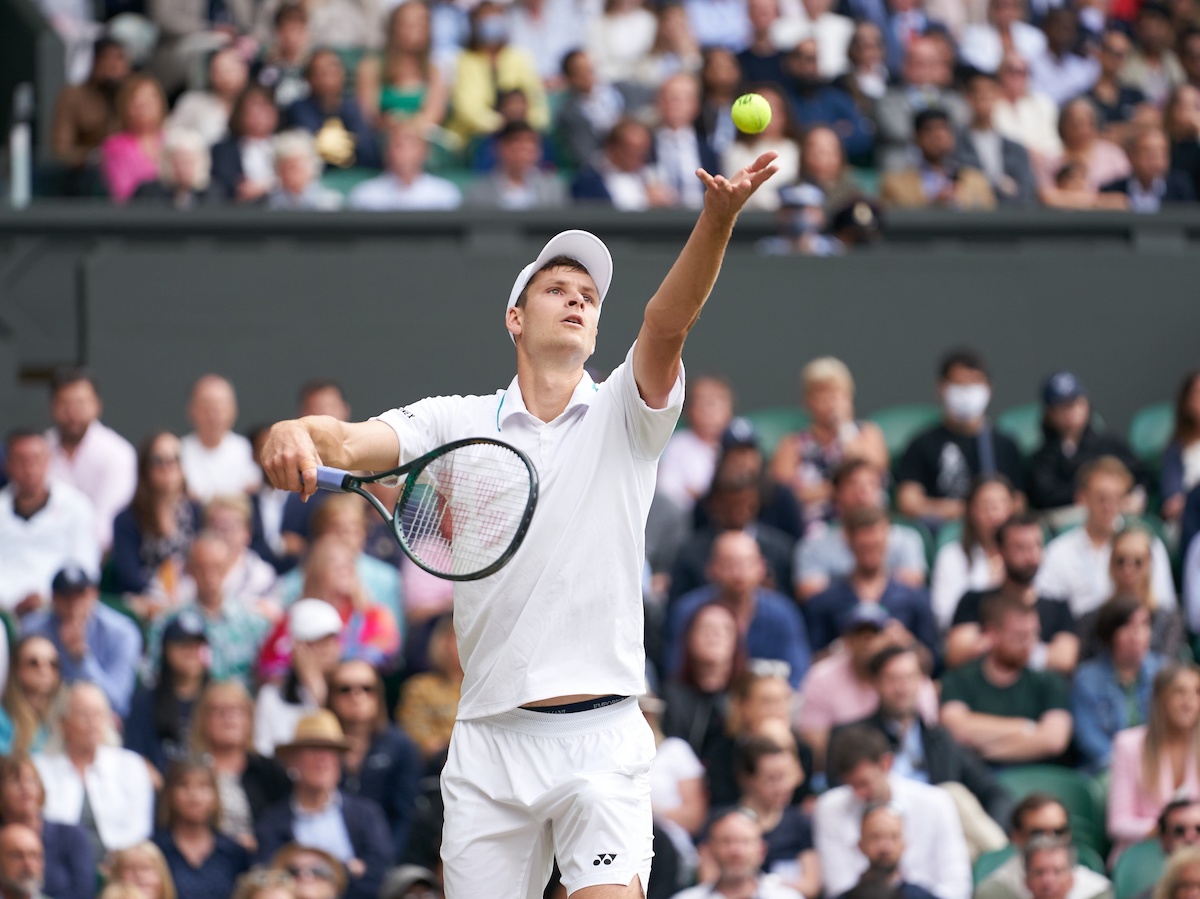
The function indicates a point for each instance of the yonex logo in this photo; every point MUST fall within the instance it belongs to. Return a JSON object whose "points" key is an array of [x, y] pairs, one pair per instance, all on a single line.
{"points": [[604, 858]]}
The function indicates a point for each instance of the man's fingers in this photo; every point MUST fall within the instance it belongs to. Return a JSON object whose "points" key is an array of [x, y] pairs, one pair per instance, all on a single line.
{"points": [[308, 480], [763, 161]]}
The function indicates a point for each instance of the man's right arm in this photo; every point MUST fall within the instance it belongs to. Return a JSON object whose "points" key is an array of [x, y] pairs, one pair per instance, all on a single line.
{"points": [[295, 448]]}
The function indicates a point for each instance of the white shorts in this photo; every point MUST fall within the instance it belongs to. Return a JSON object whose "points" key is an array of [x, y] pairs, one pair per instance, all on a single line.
{"points": [[524, 788]]}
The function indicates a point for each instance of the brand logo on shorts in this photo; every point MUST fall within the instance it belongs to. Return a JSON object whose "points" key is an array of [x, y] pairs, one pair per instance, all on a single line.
{"points": [[605, 858]]}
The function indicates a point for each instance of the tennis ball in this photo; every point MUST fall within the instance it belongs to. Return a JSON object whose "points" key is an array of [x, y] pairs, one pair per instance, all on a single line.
{"points": [[751, 113]]}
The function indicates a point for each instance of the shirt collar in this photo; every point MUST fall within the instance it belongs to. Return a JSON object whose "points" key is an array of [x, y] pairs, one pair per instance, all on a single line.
{"points": [[512, 402], [334, 805]]}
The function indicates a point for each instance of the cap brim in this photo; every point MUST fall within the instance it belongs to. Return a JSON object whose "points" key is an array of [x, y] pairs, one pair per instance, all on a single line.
{"points": [[582, 246]]}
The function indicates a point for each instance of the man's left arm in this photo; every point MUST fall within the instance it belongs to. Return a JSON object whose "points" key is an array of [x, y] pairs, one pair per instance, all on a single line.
{"points": [[676, 305]]}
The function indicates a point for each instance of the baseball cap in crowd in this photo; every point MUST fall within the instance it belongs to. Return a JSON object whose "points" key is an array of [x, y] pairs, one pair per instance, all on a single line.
{"points": [[585, 248], [739, 434], [186, 627], [1062, 387], [313, 619], [866, 616], [72, 578], [402, 879]]}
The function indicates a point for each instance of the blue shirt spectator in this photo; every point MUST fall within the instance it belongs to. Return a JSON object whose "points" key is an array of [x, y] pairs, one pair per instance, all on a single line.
{"points": [[1113, 691], [94, 643]]}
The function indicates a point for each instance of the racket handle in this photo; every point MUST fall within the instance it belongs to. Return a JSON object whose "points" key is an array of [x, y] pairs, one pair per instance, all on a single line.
{"points": [[331, 478]]}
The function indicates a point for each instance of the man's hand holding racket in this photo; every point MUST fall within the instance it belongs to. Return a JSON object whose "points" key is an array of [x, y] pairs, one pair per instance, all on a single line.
{"points": [[290, 458]]}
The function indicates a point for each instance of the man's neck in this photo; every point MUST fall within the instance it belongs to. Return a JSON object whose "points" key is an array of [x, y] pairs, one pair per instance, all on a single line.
{"points": [[546, 389], [80, 758], [311, 800], [901, 723], [1097, 533], [739, 888], [211, 605], [1027, 593], [408, 179], [999, 675], [69, 443], [517, 177], [970, 428], [210, 441], [982, 126], [26, 504], [869, 585], [742, 603]]}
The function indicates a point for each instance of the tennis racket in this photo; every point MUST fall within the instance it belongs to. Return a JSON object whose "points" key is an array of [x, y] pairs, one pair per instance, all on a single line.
{"points": [[463, 509]]}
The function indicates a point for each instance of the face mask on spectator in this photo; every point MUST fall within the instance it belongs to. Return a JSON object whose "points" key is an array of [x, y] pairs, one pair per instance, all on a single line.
{"points": [[966, 402]]}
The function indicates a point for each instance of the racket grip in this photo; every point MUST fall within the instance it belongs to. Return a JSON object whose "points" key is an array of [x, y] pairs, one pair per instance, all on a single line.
{"points": [[331, 478]]}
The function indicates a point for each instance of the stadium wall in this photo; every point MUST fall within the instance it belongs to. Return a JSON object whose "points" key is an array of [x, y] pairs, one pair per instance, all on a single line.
{"points": [[398, 307]]}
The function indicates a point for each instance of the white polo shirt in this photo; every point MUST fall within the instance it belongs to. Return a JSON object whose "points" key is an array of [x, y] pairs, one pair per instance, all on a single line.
{"points": [[565, 615]]}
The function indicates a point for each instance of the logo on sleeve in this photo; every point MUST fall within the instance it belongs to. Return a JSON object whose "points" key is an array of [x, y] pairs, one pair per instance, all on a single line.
{"points": [[604, 858]]}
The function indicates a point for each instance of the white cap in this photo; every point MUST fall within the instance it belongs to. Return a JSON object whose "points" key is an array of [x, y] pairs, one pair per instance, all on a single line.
{"points": [[313, 619], [585, 248]]}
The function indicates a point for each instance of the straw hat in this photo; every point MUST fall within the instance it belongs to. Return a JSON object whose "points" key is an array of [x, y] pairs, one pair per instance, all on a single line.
{"points": [[320, 730]]}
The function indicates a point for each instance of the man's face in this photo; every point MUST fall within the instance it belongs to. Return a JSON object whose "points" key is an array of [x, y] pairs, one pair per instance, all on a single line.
{"points": [[406, 153], [869, 547], [935, 141], [982, 95], [561, 311], [770, 699], [882, 841], [762, 13], [581, 74], [1114, 50], [1060, 30], [1048, 874], [86, 721], [1069, 417], [519, 154], [1150, 156], [709, 409], [678, 102], [22, 863], [921, 66], [213, 409], [775, 781], [209, 564], [326, 401], [74, 605], [630, 151], [1021, 551], [1189, 56], [1050, 820], [737, 847], [737, 566], [1153, 32], [316, 768], [805, 61], [28, 464], [327, 77], [735, 505], [1182, 828], [1016, 636], [869, 781], [111, 66], [862, 489], [1102, 497], [898, 685]]}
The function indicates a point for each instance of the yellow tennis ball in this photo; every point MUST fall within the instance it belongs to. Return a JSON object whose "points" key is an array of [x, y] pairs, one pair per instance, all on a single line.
{"points": [[751, 113]]}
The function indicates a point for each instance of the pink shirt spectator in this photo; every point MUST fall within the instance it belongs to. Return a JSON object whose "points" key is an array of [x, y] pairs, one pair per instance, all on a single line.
{"points": [[831, 695], [126, 166], [1132, 809], [103, 468], [1106, 162]]}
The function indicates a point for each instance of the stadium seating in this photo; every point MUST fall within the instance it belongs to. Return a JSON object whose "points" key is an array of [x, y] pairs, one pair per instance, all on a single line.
{"points": [[775, 423], [1150, 431], [1081, 795], [1138, 868], [901, 423]]}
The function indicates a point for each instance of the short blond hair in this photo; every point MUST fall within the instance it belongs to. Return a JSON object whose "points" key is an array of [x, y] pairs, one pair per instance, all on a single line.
{"points": [[239, 503], [826, 370], [145, 849]]}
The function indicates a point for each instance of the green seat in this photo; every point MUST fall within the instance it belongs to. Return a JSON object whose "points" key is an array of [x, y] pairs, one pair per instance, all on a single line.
{"points": [[345, 180], [1078, 793], [900, 424], [987, 863], [1150, 431], [1139, 867], [776, 423], [950, 532], [1024, 425]]}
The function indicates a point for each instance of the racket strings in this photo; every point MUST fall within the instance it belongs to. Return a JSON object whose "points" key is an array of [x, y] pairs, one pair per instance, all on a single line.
{"points": [[464, 510]]}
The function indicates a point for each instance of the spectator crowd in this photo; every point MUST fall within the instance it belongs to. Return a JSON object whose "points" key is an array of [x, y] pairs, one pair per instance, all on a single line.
{"points": [[378, 105], [884, 660]]}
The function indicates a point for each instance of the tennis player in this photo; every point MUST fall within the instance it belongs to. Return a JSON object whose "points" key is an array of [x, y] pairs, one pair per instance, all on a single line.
{"points": [[550, 754]]}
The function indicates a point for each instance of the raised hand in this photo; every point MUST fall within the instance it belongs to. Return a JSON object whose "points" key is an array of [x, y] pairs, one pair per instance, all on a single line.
{"points": [[725, 197]]}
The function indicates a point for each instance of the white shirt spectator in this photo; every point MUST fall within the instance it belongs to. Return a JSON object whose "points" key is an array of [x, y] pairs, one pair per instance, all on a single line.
{"points": [[954, 573], [32, 551], [227, 469], [738, 155], [768, 887], [103, 468], [981, 47], [720, 23], [1062, 79], [935, 852], [1075, 569], [549, 37], [832, 34], [617, 43], [275, 718], [387, 192], [203, 113], [118, 789], [686, 468], [1032, 122]]}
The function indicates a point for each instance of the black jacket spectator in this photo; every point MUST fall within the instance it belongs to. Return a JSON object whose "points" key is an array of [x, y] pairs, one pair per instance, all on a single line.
{"points": [[945, 760], [1177, 188], [1051, 480], [369, 835], [391, 776], [227, 165], [217, 874], [70, 868]]}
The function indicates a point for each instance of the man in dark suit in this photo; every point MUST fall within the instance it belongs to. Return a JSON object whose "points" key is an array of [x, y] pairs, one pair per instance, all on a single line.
{"points": [[1004, 162], [351, 828], [925, 752], [1153, 183]]}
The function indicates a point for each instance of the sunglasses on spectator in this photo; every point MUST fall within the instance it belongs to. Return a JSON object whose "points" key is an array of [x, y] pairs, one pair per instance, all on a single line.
{"points": [[320, 872], [1130, 561], [1050, 832], [163, 461], [348, 689], [1182, 830]]}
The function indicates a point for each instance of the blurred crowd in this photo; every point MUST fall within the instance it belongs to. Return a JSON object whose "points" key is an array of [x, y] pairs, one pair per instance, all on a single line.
{"points": [[369, 104], [918, 653]]}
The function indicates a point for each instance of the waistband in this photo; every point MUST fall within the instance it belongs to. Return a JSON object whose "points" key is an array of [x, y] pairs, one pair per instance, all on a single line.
{"points": [[541, 724], [571, 708]]}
